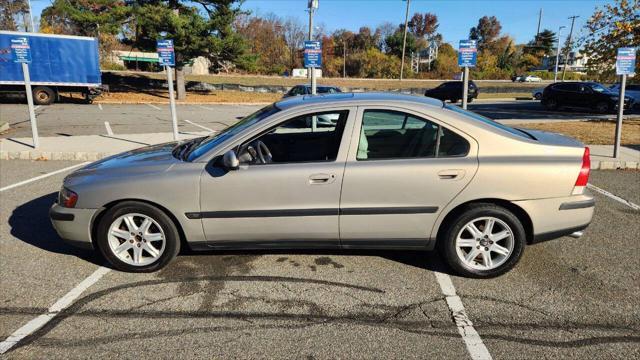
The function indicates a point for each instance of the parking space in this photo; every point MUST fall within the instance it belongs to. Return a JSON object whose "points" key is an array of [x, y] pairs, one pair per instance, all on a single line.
{"points": [[567, 298], [82, 119]]}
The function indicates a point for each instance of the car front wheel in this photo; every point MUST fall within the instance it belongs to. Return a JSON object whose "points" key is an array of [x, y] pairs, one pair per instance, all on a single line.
{"points": [[137, 237], [602, 107], [551, 104], [483, 242]]}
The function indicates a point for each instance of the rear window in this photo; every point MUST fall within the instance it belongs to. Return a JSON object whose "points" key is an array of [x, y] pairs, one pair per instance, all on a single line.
{"points": [[565, 87], [490, 122]]}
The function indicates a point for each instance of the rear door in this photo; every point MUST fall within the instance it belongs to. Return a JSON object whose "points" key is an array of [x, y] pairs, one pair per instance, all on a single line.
{"points": [[401, 171]]}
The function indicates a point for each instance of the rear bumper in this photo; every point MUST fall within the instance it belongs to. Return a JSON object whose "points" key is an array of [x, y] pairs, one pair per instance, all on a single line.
{"points": [[73, 225], [558, 217]]}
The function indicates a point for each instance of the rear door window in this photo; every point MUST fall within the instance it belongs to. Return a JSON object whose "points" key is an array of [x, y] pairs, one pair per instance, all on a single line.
{"points": [[397, 135]]}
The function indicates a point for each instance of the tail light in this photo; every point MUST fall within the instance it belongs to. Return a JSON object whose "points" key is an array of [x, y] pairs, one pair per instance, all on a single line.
{"points": [[583, 176], [67, 198]]}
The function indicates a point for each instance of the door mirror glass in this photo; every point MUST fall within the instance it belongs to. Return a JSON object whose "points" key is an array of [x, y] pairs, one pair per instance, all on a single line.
{"points": [[230, 160]]}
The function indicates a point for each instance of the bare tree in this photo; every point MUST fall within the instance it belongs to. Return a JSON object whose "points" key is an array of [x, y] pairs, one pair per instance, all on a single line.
{"points": [[294, 35]]}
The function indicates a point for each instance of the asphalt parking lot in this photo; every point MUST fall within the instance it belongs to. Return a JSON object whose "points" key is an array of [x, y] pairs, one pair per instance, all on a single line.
{"points": [[568, 298], [68, 119]]}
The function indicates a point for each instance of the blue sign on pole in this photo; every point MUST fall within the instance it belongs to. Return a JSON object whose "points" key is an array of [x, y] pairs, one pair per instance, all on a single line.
{"points": [[312, 54], [467, 53], [626, 61], [166, 56], [21, 50]]}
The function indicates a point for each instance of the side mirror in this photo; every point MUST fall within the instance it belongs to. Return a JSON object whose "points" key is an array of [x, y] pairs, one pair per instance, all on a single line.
{"points": [[230, 160]]}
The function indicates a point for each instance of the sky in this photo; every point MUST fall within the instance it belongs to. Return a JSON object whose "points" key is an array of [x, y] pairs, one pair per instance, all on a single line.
{"points": [[519, 18]]}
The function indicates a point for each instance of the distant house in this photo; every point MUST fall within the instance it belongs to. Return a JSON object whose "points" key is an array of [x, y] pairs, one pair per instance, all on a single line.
{"points": [[576, 62]]}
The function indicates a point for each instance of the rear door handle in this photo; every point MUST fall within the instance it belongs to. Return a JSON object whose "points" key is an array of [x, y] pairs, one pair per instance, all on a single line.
{"points": [[451, 174], [318, 179]]}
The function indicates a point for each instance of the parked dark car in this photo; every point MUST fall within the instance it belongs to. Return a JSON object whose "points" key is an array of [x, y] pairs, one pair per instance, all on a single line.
{"points": [[306, 90], [590, 95], [452, 90]]}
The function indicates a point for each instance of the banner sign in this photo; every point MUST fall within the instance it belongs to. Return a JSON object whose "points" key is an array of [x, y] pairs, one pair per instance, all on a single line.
{"points": [[467, 53], [166, 56], [312, 54]]}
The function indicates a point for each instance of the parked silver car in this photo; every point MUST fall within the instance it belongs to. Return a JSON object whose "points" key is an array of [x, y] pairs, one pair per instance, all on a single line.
{"points": [[391, 172]]}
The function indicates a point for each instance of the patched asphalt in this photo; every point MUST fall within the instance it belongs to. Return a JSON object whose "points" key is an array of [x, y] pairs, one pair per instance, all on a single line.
{"points": [[568, 298]]}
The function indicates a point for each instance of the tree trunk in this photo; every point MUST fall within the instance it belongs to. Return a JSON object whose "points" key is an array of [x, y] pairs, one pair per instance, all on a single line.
{"points": [[180, 87]]}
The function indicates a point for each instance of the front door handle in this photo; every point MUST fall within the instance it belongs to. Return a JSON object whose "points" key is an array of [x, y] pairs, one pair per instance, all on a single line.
{"points": [[451, 174], [318, 179]]}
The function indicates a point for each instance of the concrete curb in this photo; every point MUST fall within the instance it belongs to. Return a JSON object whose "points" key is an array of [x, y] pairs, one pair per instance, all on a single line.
{"points": [[93, 156], [614, 165]]}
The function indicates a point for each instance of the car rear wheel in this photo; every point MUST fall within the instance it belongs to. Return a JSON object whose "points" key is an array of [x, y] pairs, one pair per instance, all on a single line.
{"points": [[483, 242], [602, 107], [137, 237], [43, 95], [551, 104], [537, 96]]}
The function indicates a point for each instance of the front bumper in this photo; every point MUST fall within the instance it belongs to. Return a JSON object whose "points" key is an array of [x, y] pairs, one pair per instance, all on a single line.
{"points": [[73, 225]]}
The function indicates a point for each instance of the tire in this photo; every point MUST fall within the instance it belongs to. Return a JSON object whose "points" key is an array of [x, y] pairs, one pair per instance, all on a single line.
{"points": [[469, 100], [537, 96], [602, 107], [457, 234], [551, 104], [43, 95], [138, 246]]}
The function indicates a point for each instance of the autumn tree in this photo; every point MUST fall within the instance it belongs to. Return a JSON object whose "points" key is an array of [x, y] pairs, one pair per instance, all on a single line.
{"points": [[12, 11], [611, 27], [486, 31], [266, 40]]}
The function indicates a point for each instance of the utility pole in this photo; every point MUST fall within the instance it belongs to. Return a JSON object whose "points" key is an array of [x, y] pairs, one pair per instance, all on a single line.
{"points": [[555, 72], [566, 53], [539, 21], [404, 38], [344, 58], [313, 5]]}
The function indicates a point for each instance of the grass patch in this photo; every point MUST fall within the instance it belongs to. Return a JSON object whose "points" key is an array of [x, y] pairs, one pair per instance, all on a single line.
{"points": [[162, 97], [600, 132], [379, 84]]}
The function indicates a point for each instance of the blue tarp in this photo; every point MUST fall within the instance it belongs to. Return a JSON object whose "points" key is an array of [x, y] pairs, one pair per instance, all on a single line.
{"points": [[63, 60]]}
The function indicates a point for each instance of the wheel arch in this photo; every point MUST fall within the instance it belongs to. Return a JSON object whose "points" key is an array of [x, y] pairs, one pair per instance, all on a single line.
{"points": [[519, 212], [99, 214]]}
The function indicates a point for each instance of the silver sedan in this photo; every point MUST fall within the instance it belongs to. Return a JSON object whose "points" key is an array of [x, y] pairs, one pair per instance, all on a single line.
{"points": [[372, 170]]}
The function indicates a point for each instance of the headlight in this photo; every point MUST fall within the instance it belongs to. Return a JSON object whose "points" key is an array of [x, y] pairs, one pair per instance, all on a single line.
{"points": [[67, 198]]}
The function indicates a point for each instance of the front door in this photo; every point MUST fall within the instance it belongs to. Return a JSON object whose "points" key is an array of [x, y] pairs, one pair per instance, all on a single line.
{"points": [[399, 176], [286, 192]]}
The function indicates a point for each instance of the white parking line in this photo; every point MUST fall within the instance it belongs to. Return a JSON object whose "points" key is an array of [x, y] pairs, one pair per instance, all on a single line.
{"points": [[205, 107], [614, 197], [200, 126], [471, 338], [36, 108], [55, 309], [100, 106], [153, 106], [42, 176]]}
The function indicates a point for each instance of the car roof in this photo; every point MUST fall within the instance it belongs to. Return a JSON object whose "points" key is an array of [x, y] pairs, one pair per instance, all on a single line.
{"points": [[355, 98]]}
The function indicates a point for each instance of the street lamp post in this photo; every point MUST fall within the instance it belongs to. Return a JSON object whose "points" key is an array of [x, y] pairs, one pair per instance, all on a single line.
{"points": [[404, 38], [555, 73], [33, 29], [313, 5], [566, 53]]}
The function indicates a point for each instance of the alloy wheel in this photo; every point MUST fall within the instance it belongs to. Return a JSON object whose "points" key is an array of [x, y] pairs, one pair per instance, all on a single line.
{"points": [[484, 243], [136, 239]]}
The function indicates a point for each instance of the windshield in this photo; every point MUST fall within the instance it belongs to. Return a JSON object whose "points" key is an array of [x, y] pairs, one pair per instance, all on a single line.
{"points": [[212, 141], [488, 121], [599, 88]]}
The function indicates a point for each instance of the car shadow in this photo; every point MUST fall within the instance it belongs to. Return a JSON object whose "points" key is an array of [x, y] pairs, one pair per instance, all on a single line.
{"points": [[30, 223]]}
